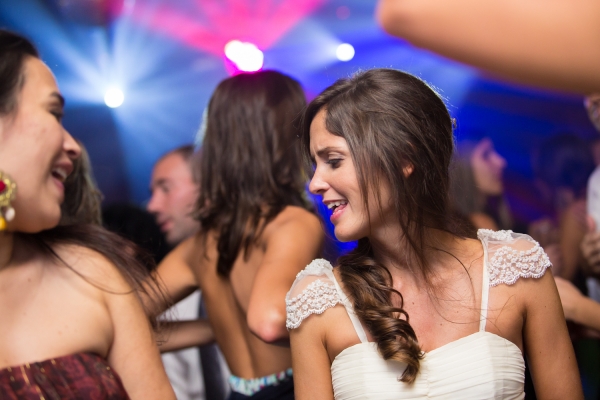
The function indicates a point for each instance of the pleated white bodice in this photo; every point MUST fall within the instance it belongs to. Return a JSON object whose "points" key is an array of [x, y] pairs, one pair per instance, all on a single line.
{"points": [[479, 366]]}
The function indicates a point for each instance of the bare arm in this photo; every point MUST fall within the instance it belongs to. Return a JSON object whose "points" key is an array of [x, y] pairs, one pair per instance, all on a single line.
{"points": [[577, 307], [547, 343], [175, 274], [290, 247], [184, 334], [554, 44], [133, 347], [310, 361]]}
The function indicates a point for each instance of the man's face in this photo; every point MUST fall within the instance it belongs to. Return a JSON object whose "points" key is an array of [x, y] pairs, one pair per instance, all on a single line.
{"points": [[174, 194]]}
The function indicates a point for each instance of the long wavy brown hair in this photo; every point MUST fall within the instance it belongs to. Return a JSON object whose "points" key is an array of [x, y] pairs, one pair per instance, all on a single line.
{"points": [[250, 166], [391, 120]]}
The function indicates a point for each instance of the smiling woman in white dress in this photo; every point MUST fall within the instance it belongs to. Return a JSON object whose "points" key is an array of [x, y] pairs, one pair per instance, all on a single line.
{"points": [[417, 310]]}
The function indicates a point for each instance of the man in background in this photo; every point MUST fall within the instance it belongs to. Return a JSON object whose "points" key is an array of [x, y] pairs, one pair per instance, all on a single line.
{"points": [[195, 375]]}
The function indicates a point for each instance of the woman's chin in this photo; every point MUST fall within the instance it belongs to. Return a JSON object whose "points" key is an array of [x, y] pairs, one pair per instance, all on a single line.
{"points": [[344, 237]]}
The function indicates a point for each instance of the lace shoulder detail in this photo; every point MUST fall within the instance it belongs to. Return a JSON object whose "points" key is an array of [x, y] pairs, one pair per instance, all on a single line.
{"points": [[316, 267], [313, 292], [512, 256], [490, 235]]}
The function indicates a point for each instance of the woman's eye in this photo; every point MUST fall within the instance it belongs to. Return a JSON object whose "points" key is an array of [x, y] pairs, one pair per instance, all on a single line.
{"points": [[334, 162]]}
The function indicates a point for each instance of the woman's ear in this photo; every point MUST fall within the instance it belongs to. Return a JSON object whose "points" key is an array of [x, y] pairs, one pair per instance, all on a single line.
{"points": [[407, 170]]}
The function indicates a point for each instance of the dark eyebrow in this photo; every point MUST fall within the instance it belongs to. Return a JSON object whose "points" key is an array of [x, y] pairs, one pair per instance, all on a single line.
{"points": [[58, 97], [327, 149]]}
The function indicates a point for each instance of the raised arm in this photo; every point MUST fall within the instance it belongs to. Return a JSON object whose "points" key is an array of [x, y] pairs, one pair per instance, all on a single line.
{"points": [[547, 343], [291, 244], [554, 44], [175, 274]]}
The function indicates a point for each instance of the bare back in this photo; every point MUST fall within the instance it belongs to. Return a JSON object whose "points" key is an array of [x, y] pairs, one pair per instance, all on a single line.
{"points": [[255, 290]]}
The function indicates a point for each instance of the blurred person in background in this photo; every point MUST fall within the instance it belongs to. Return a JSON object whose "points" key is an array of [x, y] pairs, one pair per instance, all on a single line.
{"points": [[477, 188], [256, 231], [173, 195], [562, 166], [194, 373]]}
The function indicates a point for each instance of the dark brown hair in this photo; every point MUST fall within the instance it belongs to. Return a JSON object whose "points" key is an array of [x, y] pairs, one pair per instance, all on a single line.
{"points": [[249, 165], [82, 196], [126, 256], [14, 49], [390, 120]]}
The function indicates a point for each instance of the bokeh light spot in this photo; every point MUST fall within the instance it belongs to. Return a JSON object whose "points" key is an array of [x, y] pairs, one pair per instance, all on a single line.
{"points": [[345, 52]]}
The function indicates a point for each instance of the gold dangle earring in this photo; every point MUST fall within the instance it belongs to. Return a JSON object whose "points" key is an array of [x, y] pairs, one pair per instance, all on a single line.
{"points": [[8, 190]]}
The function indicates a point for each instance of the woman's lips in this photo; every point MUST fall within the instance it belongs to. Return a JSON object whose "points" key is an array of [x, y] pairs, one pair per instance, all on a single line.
{"points": [[337, 212]]}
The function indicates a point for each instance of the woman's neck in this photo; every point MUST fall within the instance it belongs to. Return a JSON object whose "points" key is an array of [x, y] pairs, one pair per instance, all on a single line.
{"points": [[482, 200], [7, 243], [395, 253]]}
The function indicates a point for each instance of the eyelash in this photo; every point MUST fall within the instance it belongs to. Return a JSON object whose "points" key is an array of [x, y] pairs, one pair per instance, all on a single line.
{"points": [[334, 162]]}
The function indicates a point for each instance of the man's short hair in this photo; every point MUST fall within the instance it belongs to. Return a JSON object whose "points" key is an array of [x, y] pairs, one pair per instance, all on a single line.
{"points": [[186, 152]]}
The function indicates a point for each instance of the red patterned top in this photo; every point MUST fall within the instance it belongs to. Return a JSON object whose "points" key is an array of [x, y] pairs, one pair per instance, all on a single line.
{"points": [[76, 376]]}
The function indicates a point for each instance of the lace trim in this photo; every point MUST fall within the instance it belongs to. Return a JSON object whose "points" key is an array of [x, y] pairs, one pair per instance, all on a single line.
{"points": [[314, 299], [508, 265], [483, 234], [316, 267]]}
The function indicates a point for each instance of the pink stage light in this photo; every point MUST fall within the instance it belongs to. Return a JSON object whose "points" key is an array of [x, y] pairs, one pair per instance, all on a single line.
{"points": [[209, 24], [246, 56]]}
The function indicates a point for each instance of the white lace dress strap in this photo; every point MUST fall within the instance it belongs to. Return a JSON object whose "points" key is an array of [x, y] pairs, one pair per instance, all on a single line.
{"points": [[510, 256], [313, 292], [485, 288]]}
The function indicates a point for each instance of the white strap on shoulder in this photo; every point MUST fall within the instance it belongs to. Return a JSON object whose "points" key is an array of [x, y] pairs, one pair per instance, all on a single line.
{"points": [[350, 310], [485, 288]]}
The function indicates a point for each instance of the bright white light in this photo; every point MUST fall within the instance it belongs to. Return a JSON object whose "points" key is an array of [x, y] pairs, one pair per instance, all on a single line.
{"points": [[246, 56], [345, 52], [114, 97]]}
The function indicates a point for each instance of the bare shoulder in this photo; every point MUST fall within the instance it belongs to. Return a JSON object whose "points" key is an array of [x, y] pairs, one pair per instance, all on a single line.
{"points": [[294, 217], [92, 267], [532, 290]]}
